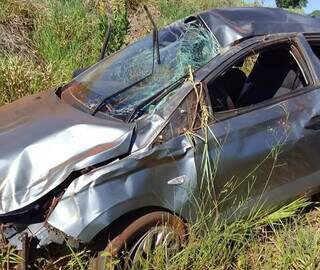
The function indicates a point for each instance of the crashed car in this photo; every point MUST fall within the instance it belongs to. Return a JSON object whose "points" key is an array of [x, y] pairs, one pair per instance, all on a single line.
{"points": [[115, 156]]}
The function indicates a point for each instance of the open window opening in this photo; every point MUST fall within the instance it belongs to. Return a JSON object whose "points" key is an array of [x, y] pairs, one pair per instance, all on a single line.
{"points": [[257, 77]]}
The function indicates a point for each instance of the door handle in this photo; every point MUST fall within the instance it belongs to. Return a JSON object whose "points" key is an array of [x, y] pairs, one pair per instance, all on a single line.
{"points": [[314, 123]]}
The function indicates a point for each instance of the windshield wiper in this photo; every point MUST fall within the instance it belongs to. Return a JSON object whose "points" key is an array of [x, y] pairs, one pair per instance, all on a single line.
{"points": [[155, 45], [107, 34], [155, 33]]}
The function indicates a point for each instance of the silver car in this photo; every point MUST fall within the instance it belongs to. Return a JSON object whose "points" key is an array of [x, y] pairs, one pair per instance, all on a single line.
{"points": [[116, 156]]}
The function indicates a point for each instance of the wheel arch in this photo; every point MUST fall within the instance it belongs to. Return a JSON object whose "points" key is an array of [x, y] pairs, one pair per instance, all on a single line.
{"points": [[110, 231]]}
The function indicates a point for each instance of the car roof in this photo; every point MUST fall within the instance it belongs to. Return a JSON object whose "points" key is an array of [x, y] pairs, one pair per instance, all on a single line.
{"points": [[232, 24]]}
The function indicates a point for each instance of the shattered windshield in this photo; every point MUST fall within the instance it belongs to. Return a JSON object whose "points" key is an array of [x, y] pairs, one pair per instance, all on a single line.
{"points": [[130, 77]]}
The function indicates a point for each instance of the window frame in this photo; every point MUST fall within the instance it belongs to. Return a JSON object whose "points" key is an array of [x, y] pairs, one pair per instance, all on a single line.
{"points": [[235, 53], [299, 53], [306, 39]]}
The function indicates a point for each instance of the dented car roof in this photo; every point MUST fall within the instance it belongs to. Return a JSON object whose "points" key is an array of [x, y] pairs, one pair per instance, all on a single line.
{"points": [[232, 24]]}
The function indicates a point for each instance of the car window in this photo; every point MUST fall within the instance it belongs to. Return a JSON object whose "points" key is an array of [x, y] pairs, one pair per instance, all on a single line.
{"points": [[316, 48], [257, 77], [187, 117]]}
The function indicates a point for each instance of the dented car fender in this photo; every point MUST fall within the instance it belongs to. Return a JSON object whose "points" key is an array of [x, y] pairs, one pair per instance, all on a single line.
{"points": [[96, 199], [146, 178]]}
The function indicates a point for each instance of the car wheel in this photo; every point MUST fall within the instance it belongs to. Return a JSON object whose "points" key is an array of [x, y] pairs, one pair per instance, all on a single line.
{"points": [[140, 238]]}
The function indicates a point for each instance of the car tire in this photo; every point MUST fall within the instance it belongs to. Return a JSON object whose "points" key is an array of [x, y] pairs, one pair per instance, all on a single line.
{"points": [[127, 246]]}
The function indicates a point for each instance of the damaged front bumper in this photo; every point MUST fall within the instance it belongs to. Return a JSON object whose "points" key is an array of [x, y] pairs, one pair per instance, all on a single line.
{"points": [[26, 241], [19, 229], [42, 234]]}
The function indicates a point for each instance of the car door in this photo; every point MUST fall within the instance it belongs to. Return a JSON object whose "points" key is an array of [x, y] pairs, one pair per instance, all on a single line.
{"points": [[265, 153]]}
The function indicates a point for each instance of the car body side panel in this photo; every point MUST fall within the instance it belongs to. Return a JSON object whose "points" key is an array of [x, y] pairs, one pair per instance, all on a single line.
{"points": [[267, 154], [160, 176]]}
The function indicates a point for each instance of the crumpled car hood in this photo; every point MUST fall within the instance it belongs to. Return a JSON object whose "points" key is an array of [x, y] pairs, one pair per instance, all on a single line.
{"points": [[42, 140]]}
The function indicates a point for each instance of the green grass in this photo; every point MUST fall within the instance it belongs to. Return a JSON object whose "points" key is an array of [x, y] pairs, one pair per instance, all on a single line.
{"points": [[44, 41], [20, 77], [66, 36], [269, 239], [283, 239], [294, 244]]}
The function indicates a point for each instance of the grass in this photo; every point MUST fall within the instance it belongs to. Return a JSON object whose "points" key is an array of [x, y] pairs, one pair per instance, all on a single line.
{"points": [[43, 41], [66, 31], [232, 246], [20, 77], [293, 244], [283, 239]]}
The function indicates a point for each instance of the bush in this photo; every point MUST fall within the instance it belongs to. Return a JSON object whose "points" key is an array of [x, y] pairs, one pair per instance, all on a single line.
{"points": [[120, 25]]}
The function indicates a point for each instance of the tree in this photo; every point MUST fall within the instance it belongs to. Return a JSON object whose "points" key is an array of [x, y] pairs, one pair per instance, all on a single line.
{"points": [[291, 3], [315, 13]]}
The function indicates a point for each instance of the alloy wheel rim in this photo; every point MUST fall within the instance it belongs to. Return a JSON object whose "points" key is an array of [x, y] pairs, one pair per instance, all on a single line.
{"points": [[163, 237]]}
